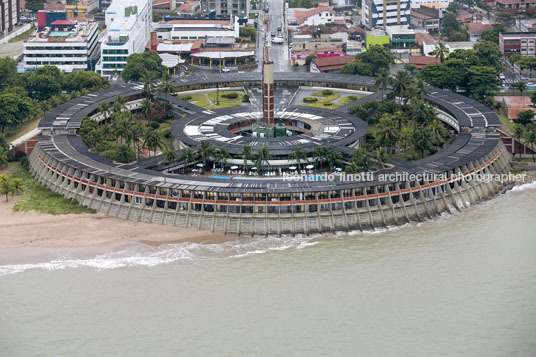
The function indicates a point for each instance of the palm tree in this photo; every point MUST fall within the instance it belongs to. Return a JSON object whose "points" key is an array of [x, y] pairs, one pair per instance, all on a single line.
{"points": [[319, 154], [171, 156], [205, 149], [187, 156], [247, 152], [334, 158], [137, 133], [400, 82], [222, 155], [148, 83], [122, 128], [380, 156], [263, 155], [104, 108], [405, 138], [420, 89], [298, 154], [361, 159], [387, 136], [146, 108], [118, 105], [519, 131], [440, 51], [421, 141], [530, 137], [92, 138], [6, 187], [153, 141], [17, 184], [166, 86], [382, 80], [352, 168], [123, 154], [4, 158], [438, 130]]}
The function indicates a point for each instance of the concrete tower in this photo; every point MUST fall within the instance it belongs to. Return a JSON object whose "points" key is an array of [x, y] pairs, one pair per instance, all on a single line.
{"points": [[268, 88]]}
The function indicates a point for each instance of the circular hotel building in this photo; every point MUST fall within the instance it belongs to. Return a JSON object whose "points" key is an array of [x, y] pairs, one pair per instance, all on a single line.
{"points": [[238, 201]]}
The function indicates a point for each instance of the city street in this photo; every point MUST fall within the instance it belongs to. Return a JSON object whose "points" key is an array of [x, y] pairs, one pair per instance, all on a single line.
{"points": [[280, 52]]}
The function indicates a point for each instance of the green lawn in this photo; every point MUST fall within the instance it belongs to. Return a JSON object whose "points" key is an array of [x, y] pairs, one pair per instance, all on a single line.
{"points": [[228, 104], [349, 98], [18, 131], [213, 96], [200, 100], [323, 105], [506, 124], [36, 197], [23, 36]]}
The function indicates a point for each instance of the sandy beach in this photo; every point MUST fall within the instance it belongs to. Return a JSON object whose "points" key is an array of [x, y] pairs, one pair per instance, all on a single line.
{"points": [[30, 232]]}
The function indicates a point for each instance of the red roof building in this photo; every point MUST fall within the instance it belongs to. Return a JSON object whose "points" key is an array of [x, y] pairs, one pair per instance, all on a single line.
{"points": [[421, 61], [330, 64]]}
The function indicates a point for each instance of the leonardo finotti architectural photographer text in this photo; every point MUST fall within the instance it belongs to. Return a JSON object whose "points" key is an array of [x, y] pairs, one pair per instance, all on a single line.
{"points": [[403, 176]]}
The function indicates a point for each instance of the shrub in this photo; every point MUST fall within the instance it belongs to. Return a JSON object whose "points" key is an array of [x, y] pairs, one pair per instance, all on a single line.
{"points": [[155, 125], [245, 98], [327, 92], [166, 132], [231, 95], [328, 104], [310, 99], [352, 98], [186, 97]]}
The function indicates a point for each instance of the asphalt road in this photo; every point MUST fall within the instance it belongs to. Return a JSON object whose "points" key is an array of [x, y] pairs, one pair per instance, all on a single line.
{"points": [[280, 52]]}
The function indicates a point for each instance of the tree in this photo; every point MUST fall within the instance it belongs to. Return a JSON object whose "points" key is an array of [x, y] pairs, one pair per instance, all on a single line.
{"points": [[171, 156], [421, 141], [361, 159], [309, 59], [76, 81], [222, 155], [122, 127], [453, 7], [138, 64], [188, 157], [148, 79], [6, 186], [319, 154], [386, 135], [17, 184], [519, 132], [298, 154], [400, 82], [263, 156], [449, 24], [105, 108], [458, 36], [483, 82], [382, 81], [205, 149], [13, 110], [381, 156], [166, 86], [247, 153], [492, 35], [530, 137], [153, 141], [361, 68], [147, 108], [525, 117], [441, 51], [377, 57], [333, 158], [44, 83], [4, 158], [8, 72], [489, 54]]}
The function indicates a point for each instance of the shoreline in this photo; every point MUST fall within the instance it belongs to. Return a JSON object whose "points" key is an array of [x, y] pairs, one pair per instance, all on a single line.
{"points": [[30, 234]]}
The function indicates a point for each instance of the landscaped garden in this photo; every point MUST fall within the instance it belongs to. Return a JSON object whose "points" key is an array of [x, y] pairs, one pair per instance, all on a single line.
{"points": [[327, 99], [216, 100]]}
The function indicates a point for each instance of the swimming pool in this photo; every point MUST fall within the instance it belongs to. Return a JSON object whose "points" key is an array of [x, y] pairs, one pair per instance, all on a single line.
{"points": [[220, 176]]}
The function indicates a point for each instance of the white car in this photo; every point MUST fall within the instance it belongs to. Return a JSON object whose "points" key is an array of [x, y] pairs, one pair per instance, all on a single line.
{"points": [[278, 40]]}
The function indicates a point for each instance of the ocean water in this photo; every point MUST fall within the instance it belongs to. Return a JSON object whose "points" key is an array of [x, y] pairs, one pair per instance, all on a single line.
{"points": [[460, 285]]}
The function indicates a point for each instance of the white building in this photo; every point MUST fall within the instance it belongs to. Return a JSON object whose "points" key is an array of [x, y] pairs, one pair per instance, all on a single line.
{"points": [[67, 44], [225, 8], [428, 47], [320, 15], [128, 24], [198, 29], [383, 13]]}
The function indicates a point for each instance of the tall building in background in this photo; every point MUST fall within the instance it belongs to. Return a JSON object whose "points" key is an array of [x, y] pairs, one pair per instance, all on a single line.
{"points": [[10, 13], [70, 45], [383, 13], [128, 26], [225, 8]]}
